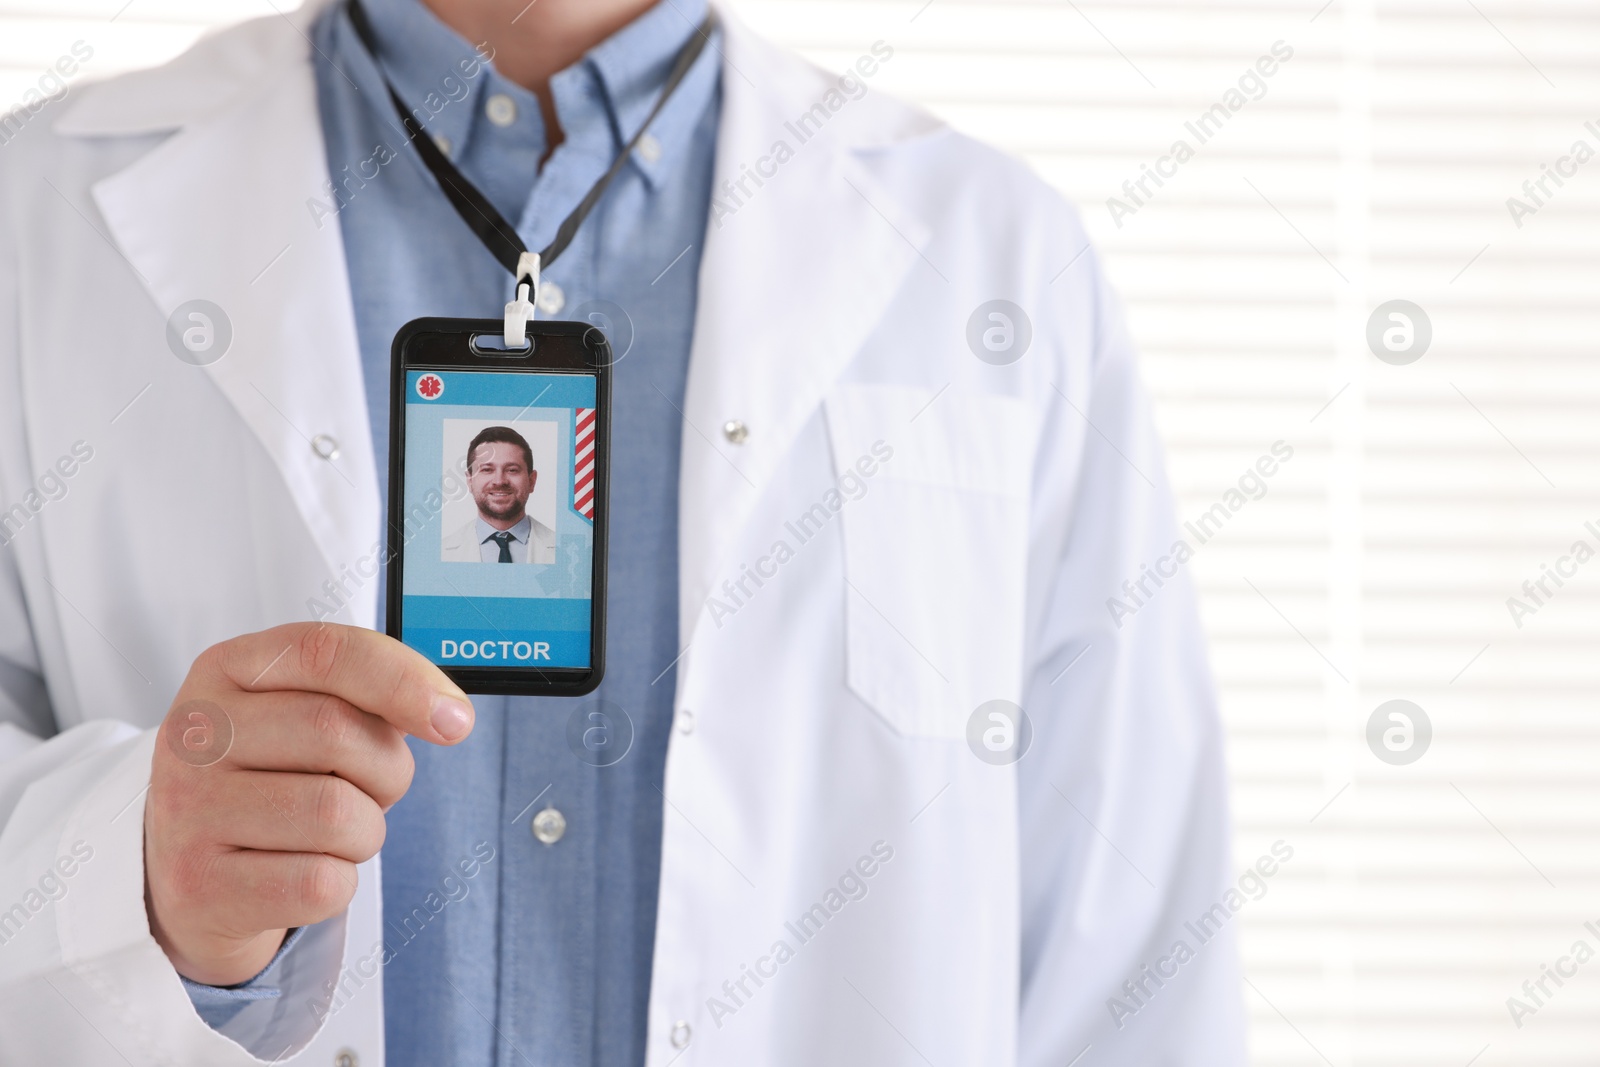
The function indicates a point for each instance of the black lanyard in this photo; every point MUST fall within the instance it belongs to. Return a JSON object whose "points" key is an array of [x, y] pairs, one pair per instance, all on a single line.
{"points": [[498, 235]]}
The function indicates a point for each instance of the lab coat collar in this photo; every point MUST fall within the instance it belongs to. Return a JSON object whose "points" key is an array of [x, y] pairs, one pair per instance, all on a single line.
{"points": [[210, 79]]}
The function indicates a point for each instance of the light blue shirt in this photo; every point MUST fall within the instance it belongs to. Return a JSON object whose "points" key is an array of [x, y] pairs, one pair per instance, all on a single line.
{"points": [[545, 956]]}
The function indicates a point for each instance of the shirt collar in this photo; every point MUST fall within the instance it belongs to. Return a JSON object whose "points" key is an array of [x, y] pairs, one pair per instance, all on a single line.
{"points": [[442, 75], [435, 70], [519, 532], [632, 65]]}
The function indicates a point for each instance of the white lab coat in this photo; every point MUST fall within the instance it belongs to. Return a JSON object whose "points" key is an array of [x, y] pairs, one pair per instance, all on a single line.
{"points": [[821, 714]]}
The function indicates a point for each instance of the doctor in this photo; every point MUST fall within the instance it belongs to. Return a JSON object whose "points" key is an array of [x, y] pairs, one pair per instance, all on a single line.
{"points": [[501, 477], [860, 817]]}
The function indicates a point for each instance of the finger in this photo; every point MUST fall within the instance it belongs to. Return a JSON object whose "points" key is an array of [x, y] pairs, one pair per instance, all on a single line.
{"points": [[314, 733], [265, 890], [376, 673], [279, 812]]}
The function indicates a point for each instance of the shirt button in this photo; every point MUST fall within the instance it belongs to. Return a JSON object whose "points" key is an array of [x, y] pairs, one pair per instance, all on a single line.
{"points": [[686, 721], [551, 298], [501, 109], [549, 826], [680, 1034], [649, 148], [735, 431], [443, 142], [325, 446]]}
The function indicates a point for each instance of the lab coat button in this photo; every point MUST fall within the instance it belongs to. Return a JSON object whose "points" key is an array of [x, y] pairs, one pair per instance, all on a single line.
{"points": [[325, 446], [501, 109], [680, 1034], [686, 721], [735, 431], [549, 826], [649, 148], [345, 1058], [551, 298]]}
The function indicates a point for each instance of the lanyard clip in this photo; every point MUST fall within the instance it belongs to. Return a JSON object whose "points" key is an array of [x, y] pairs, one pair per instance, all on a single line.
{"points": [[521, 309]]}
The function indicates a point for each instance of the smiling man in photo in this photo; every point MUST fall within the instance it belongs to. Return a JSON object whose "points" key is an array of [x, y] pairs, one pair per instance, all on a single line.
{"points": [[501, 475]]}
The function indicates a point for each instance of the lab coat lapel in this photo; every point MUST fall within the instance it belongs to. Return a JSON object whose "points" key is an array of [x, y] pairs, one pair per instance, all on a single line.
{"points": [[219, 212], [797, 271]]}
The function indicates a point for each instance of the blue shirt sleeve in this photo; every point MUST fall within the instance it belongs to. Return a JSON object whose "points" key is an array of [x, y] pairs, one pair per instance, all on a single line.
{"points": [[218, 1004]]}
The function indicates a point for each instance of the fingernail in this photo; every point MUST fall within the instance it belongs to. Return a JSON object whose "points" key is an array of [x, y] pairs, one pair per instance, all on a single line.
{"points": [[451, 718]]}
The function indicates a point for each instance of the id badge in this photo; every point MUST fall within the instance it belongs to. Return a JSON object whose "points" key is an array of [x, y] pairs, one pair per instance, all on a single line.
{"points": [[498, 463]]}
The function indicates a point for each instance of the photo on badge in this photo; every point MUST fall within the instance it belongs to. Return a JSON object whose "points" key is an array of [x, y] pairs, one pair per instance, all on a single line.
{"points": [[509, 514]]}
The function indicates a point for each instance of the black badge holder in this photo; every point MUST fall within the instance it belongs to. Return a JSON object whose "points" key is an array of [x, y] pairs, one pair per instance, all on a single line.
{"points": [[445, 345]]}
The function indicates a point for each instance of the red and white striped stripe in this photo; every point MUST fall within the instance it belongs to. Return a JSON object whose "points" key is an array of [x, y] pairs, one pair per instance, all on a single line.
{"points": [[583, 464]]}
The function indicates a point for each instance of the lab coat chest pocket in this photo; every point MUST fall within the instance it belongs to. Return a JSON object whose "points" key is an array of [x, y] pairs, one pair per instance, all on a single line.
{"points": [[935, 544]]}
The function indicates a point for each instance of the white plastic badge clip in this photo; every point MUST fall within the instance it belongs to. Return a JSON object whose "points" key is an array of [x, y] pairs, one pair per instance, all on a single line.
{"points": [[521, 310]]}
